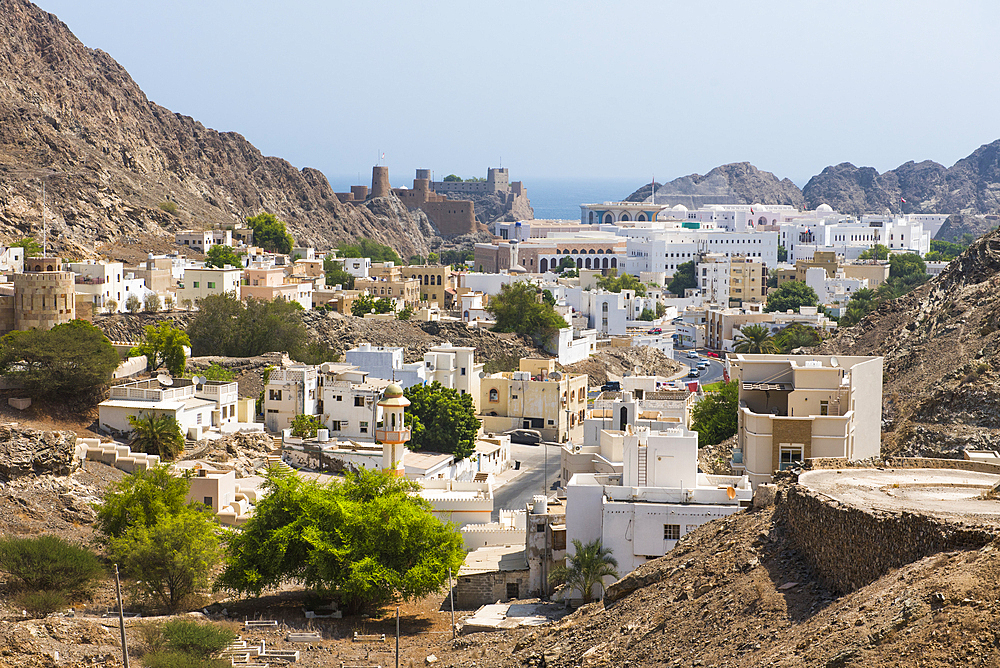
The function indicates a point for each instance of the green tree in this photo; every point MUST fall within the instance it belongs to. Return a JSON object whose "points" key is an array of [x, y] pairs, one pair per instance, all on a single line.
{"points": [[384, 305], [441, 420], [142, 498], [227, 326], [755, 340], [220, 255], [270, 234], [790, 296], [151, 302], [782, 253], [172, 559], [335, 274], [363, 540], [371, 249], [133, 304], [48, 563], [433, 258], [405, 314], [548, 298], [31, 247], [415, 259], [316, 353], [217, 372], [613, 283], [517, 309], [565, 264], [797, 335], [587, 568], [453, 177], [903, 265], [196, 638], [363, 304], [163, 345], [647, 315], [946, 251], [305, 426], [156, 435], [110, 305], [714, 417], [876, 252], [684, 278], [74, 358], [168, 303]]}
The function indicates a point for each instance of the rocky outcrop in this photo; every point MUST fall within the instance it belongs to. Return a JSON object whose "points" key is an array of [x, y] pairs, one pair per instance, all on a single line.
{"points": [[493, 207], [28, 452], [735, 183], [74, 117]]}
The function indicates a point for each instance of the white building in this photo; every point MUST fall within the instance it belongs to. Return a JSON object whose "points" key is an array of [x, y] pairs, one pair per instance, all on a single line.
{"points": [[659, 497], [358, 267], [290, 391], [838, 289], [349, 409], [12, 259], [454, 367], [386, 363], [102, 281], [198, 408]]}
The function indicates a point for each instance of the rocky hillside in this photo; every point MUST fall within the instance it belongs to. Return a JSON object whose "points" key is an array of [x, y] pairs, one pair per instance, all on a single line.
{"points": [[73, 117], [491, 208], [942, 356], [736, 183]]}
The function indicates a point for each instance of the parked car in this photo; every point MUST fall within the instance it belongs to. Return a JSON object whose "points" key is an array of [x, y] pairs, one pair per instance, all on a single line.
{"points": [[656, 330], [524, 436], [611, 386], [694, 373], [711, 354]]}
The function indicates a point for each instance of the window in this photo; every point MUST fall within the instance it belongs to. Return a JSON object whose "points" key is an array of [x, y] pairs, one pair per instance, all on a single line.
{"points": [[494, 395], [359, 401], [824, 407], [340, 397], [671, 532], [363, 427], [207, 500], [789, 455], [463, 370], [540, 527], [196, 284], [335, 425], [211, 285], [275, 395], [198, 419]]}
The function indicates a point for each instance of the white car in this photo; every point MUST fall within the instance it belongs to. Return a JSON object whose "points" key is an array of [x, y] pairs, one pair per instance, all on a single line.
{"points": [[692, 355]]}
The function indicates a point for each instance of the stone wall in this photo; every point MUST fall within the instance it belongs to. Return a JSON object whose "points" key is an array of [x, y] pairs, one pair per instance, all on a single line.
{"points": [[472, 591], [848, 547]]}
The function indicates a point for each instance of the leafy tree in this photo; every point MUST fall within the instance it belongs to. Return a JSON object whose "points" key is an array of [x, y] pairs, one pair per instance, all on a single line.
{"points": [[31, 247], [613, 283], [270, 233], [903, 265], [363, 304], [453, 177], [335, 274], [315, 353], [441, 420], [168, 303], [133, 304], [156, 435], [565, 264], [217, 372], [163, 345], [587, 568], [450, 257], [110, 305], [74, 358], [876, 252], [232, 328], [48, 563], [305, 426], [172, 559], [782, 253], [405, 314], [790, 296], [684, 278], [364, 540], [384, 305], [797, 335], [548, 298], [647, 315], [371, 249], [714, 417], [945, 251], [755, 340], [220, 255], [196, 638], [415, 259], [433, 258], [142, 498], [661, 310], [517, 309]]}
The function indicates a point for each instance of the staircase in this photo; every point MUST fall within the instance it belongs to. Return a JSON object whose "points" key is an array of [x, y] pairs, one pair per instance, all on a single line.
{"points": [[274, 461], [643, 453]]}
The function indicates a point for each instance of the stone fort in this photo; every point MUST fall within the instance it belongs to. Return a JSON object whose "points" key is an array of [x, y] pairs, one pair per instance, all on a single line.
{"points": [[41, 297]]}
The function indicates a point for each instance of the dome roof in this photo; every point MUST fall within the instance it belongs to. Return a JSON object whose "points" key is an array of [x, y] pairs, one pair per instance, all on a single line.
{"points": [[518, 269], [679, 207], [393, 396], [825, 208]]}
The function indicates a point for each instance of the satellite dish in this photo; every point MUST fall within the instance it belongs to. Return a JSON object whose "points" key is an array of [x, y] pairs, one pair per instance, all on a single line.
{"points": [[555, 375], [834, 362], [201, 380], [731, 493], [164, 379]]}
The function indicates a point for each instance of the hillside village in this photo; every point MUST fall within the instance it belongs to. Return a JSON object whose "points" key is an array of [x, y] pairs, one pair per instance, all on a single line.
{"points": [[663, 306]]}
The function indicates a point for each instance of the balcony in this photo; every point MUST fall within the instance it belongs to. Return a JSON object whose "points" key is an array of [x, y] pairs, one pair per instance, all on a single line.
{"points": [[88, 280], [392, 435]]}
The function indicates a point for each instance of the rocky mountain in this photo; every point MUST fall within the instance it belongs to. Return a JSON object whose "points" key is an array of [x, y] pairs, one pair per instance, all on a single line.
{"points": [[941, 390], [736, 183], [73, 119]]}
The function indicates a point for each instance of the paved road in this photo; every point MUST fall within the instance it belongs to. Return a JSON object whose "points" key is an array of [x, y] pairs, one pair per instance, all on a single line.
{"points": [[710, 375], [516, 493]]}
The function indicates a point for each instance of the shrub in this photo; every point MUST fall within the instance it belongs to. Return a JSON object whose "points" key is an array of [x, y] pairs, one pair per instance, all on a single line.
{"points": [[305, 426], [151, 302], [133, 304], [181, 660], [49, 564], [38, 604], [168, 207], [168, 303], [195, 638], [152, 637]]}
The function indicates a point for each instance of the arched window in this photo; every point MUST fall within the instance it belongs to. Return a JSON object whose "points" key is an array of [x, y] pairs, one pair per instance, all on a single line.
{"points": [[605, 263], [439, 279], [641, 217], [572, 395], [591, 216], [543, 265], [494, 395], [50, 268], [625, 216], [591, 251], [576, 252], [604, 307], [579, 263], [588, 263], [608, 218], [614, 262]]}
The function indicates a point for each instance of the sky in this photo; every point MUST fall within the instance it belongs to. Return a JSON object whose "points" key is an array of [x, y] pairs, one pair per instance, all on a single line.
{"points": [[554, 89]]}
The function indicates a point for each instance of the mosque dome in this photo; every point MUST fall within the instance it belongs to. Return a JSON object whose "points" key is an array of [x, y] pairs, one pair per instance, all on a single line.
{"points": [[824, 208], [393, 396], [679, 207]]}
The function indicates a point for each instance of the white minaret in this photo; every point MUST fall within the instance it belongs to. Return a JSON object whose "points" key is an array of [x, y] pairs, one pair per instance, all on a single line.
{"points": [[393, 433]]}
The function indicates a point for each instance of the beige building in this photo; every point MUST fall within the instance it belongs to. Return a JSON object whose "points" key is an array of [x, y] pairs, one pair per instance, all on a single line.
{"points": [[270, 283], [876, 271], [386, 280], [535, 397], [203, 282], [722, 325], [731, 280], [455, 367], [796, 407], [434, 282]]}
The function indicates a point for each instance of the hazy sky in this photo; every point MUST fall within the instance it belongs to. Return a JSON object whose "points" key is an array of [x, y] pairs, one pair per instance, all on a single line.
{"points": [[605, 89]]}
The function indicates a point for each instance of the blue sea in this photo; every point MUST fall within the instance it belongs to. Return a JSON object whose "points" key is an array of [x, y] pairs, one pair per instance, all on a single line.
{"points": [[561, 198]]}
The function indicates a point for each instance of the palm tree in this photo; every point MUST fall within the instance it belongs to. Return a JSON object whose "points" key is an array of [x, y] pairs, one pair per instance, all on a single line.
{"points": [[755, 340], [588, 567], [156, 435]]}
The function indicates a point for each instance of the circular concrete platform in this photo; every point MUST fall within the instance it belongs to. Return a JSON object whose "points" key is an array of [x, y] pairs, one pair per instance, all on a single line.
{"points": [[945, 493]]}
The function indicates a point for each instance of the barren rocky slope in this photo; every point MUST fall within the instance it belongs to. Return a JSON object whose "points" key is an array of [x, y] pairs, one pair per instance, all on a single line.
{"points": [[735, 183], [74, 117], [941, 389]]}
